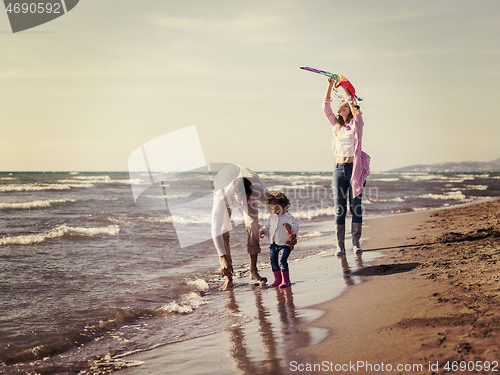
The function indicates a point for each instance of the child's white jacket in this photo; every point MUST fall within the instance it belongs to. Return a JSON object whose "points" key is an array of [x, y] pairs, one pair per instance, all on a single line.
{"points": [[276, 232]]}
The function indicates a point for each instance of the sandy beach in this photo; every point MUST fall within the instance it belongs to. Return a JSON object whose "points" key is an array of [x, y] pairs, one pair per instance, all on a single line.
{"points": [[432, 299], [430, 306]]}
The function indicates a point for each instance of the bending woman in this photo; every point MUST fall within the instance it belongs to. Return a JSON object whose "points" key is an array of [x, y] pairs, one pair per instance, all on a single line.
{"points": [[352, 168]]}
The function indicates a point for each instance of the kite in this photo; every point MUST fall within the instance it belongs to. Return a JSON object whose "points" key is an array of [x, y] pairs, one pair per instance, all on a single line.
{"points": [[339, 81]]}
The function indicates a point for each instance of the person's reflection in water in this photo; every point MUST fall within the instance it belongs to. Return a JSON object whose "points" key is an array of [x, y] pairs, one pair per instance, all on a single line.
{"points": [[292, 333], [286, 308], [237, 339], [359, 260], [346, 269], [276, 336], [271, 362]]}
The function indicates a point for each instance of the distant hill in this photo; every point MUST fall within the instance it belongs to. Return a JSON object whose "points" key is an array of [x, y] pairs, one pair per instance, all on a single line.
{"points": [[465, 166]]}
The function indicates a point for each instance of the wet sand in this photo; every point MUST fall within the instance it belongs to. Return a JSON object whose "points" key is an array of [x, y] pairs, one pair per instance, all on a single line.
{"points": [[432, 300], [262, 329], [432, 297]]}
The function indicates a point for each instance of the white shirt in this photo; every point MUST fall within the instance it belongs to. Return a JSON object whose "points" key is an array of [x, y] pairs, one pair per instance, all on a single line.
{"points": [[275, 231], [232, 196], [344, 141]]}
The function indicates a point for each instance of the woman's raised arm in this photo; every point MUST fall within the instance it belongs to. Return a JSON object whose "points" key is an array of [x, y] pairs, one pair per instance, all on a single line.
{"points": [[331, 82], [327, 108]]}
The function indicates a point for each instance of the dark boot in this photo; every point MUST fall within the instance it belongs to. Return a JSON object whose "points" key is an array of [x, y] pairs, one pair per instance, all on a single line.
{"points": [[340, 237], [356, 235]]}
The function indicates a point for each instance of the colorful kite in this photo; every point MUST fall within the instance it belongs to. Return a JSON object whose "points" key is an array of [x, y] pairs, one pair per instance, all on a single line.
{"points": [[340, 81]]}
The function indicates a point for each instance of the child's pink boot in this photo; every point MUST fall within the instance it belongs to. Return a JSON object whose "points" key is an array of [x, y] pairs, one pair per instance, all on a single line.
{"points": [[277, 279], [286, 279]]}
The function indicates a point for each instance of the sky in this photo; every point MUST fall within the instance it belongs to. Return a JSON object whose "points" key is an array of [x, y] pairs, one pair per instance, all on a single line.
{"points": [[82, 92]]}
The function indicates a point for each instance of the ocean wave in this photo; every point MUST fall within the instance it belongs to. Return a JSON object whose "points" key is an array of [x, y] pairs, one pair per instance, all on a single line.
{"points": [[313, 212], [454, 195], [307, 236], [305, 212], [100, 180], [438, 177], [42, 187], [96, 331], [33, 204], [298, 186], [385, 179], [404, 210], [476, 187], [78, 182], [178, 220], [199, 284], [94, 178], [185, 305], [396, 199], [423, 177], [58, 232], [294, 177], [169, 196]]}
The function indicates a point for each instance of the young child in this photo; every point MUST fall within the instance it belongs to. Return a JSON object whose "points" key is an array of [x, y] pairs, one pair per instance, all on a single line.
{"points": [[279, 228]]}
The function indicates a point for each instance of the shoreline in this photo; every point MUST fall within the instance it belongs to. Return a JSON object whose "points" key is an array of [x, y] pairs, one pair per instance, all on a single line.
{"points": [[322, 316], [431, 300]]}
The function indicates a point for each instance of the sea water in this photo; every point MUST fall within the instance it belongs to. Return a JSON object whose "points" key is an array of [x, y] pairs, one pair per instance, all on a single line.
{"points": [[89, 276]]}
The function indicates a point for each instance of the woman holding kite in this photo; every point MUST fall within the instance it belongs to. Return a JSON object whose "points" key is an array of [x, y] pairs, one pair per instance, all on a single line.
{"points": [[353, 165]]}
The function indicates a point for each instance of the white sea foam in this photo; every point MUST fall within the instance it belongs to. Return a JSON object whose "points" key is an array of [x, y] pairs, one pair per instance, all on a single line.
{"points": [[423, 177], [385, 179], [33, 204], [310, 212], [42, 187], [307, 236], [396, 199], [100, 180], [294, 177], [456, 195], [199, 284], [305, 212], [58, 232], [297, 186], [476, 187], [169, 196], [178, 220], [203, 219], [77, 182], [94, 178], [437, 177], [186, 304]]}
